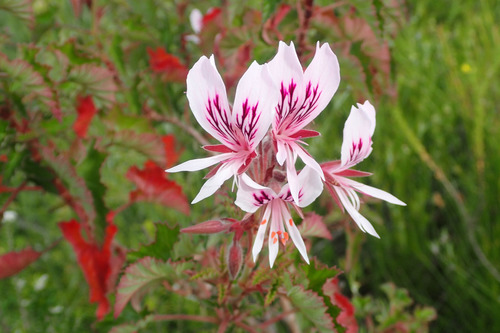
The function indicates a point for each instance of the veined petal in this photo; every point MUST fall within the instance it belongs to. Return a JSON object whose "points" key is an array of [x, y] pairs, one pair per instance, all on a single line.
{"points": [[358, 131], [276, 220], [255, 96], [199, 163], [294, 232], [374, 192], [207, 97], [259, 238], [360, 220], [215, 182], [287, 73], [311, 186], [251, 196], [323, 75]]}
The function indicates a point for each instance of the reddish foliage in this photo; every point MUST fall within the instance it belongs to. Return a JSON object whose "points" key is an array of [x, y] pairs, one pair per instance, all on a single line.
{"points": [[13, 262], [211, 15], [171, 154], [162, 62], [3, 158], [95, 262], [86, 111], [77, 6], [153, 186], [346, 317]]}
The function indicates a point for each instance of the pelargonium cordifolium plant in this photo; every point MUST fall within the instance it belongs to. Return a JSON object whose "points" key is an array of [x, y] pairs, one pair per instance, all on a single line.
{"points": [[261, 137]]}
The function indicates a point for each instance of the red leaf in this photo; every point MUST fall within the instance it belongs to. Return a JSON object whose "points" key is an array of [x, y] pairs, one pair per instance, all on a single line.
{"points": [[153, 186], [346, 317], [3, 158], [211, 15], [171, 154], [162, 62], [313, 225], [13, 262], [95, 262], [86, 111]]}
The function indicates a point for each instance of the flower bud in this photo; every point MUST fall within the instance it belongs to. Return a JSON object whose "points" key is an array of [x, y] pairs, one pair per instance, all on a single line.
{"points": [[234, 259], [207, 227]]}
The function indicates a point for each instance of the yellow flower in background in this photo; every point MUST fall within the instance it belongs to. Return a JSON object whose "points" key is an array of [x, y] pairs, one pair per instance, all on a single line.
{"points": [[465, 68]]}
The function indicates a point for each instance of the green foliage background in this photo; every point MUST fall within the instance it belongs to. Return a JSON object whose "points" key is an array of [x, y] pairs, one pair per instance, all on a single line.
{"points": [[435, 147]]}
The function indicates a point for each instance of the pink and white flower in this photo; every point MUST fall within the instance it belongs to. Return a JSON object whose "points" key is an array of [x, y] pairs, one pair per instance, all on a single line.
{"points": [[251, 196], [239, 131], [303, 95], [357, 145]]}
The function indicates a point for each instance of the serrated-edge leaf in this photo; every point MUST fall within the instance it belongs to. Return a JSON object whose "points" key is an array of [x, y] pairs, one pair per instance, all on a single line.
{"points": [[20, 8], [98, 81], [206, 273], [143, 275], [163, 245], [148, 144], [221, 291], [312, 307], [271, 294], [77, 187], [262, 274]]}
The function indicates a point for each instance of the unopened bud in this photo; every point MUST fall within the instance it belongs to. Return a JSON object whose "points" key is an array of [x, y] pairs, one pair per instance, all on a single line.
{"points": [[234, 259], [207, 227]]}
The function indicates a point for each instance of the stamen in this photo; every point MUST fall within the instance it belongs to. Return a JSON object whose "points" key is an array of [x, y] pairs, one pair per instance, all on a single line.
{"points": [[291, 222], [275, 240], [273, 234]]}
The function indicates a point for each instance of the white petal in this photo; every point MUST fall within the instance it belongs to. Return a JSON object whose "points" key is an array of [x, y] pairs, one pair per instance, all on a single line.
{"points": [[259, 238], [251, 196], [291, 175], [285, 68], [199, 163], [358, 131], [256, 96], [360, 220], [281, 153], [294, 233], [308, 160], [374, 192], [215, 182], [272, 244], [324, 73], [311, 186], [196, 20], [206, 93]]}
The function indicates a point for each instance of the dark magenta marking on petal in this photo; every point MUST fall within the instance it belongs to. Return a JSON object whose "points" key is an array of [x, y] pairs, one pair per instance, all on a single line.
{"points": [[248, 121], [290, 113], [262, 198], [219, 120]]}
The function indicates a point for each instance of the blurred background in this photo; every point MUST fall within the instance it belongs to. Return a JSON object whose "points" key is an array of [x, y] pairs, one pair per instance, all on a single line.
{"points": [[91, 91]]}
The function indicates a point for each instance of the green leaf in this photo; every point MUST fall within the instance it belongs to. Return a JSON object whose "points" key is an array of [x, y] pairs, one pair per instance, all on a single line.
{"points": [[143, 275], [20, 8], [271, 294], [81, 195], [135, 327], [148, 144], [318, 274], [97, 81], [90, 171], [162, 247], [268, 8], [311, 306]]}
